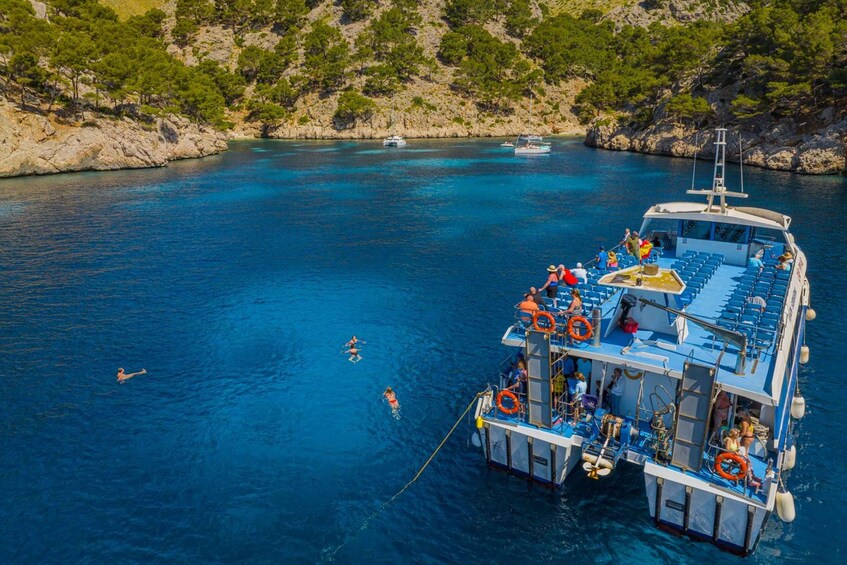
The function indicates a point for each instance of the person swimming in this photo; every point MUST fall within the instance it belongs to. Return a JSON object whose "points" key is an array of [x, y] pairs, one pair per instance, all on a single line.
{"points": [[392, 402], [353, 342], [354, 354], [126, 376]]}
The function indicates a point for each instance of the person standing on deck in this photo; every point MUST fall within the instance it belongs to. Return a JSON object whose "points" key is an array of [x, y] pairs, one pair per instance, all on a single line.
{"points": [[602, 259], [552, 285], [616, 389], [633, 245], [720, 412]]}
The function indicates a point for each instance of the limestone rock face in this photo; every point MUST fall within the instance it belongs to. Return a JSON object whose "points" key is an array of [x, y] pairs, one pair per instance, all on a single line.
{"points": [[33, 144], [780, 146]]}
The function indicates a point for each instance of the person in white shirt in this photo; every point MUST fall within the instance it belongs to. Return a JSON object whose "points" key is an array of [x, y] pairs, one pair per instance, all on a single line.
{"points": [[580, 273]]}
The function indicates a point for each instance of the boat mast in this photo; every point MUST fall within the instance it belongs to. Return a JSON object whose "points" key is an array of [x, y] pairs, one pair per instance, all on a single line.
{"points": [[718, 187]]}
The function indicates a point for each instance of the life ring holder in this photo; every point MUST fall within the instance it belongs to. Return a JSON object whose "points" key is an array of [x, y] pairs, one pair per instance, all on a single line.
{"points": [[735, 458], [633, 377], [516, 404], [589, 331], [547, 316]]}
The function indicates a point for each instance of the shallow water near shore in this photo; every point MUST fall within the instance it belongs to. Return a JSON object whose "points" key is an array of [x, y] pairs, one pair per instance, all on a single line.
{"points": [[236, 280]]}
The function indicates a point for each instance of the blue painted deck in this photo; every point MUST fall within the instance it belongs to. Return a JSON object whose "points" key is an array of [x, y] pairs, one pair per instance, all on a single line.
{"points": [[713, 301]]}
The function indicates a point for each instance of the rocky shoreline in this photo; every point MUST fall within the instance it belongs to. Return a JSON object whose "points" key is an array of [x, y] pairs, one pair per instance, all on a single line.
{"points": [[781, 146], [41, 144]]}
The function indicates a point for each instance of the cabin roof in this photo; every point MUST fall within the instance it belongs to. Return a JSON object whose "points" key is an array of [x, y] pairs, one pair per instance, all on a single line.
{"points": [[745, 216]]}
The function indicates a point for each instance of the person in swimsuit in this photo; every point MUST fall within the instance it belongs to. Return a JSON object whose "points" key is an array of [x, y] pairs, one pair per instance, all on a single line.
{"points": [[575, 308], [353, 342], [126, 376], [552, 285], [747, 435], [392, 402], [354, 354]]}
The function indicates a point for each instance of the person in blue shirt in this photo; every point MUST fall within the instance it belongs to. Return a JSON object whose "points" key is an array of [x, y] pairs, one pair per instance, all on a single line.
{"points": [[576, 388], [602, 259], [756, 261]]}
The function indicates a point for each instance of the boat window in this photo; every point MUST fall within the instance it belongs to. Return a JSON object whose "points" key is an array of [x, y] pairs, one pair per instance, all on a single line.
{"points": [[730, 233], [695, 229]]}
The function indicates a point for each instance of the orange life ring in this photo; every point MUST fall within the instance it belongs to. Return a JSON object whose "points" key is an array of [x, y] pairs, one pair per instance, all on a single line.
{"points": [[516, 404], [578, 336], [735, 458], [547, 316]]}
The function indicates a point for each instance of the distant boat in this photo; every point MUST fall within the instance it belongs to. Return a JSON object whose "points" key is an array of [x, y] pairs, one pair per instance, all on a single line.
{"points": [[530, 144], [507, 144], [394, 141]]}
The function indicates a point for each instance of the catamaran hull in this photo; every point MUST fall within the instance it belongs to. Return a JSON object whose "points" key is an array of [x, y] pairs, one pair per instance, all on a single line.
{"points": [[532, 151], [685, 505]]}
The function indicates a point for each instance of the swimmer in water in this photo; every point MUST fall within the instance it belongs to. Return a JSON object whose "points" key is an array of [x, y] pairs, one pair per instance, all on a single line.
{"points": [[354, 341], [392, 402], [354, 354], [125, 376]]}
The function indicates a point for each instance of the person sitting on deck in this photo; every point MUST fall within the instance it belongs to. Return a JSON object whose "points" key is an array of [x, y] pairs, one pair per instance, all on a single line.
{"points": [[536, 296], [756, 260], [612, 260], [575, 308], [731, 442], [758, 302], [552, 285], [784, 264], [580, 273], [528, 305], [566, 276]]}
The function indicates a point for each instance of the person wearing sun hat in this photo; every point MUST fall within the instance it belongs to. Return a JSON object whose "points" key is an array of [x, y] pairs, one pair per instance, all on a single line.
{"points": [[552, 285]]}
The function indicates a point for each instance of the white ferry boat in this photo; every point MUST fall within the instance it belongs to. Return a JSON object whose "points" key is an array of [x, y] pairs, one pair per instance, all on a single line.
{"points": [[699, 341]]}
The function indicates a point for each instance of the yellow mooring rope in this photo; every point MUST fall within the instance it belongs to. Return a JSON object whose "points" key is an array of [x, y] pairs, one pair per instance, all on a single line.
{"points": [[407, 485]]}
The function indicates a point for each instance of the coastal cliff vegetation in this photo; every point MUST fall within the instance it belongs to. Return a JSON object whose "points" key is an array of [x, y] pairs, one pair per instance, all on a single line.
{"points": [[323, 68]]}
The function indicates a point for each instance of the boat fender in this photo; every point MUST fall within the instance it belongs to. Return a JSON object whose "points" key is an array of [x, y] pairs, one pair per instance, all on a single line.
{"points": [[798, 407], [811, 314], [790, 458], [475, 440], [479, 422], [592, 459], [785, 506], [804, 354]]}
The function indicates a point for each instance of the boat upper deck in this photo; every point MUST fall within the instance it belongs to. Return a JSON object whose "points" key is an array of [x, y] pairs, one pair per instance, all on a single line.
{"points": [[714, 292]]}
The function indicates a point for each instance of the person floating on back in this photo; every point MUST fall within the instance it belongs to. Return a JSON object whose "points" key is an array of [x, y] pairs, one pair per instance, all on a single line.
{"points": [[126, 376], [392, 402], [354, 354]]}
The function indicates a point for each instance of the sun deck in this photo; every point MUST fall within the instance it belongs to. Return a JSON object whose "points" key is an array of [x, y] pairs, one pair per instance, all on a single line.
{"points": [[719, 299]]}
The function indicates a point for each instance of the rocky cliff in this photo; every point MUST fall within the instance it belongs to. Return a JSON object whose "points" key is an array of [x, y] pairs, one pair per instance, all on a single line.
{"points": [[782, 145], [38, 144]]}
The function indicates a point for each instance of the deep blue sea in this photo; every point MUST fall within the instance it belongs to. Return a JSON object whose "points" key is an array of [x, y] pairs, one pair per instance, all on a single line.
{"points": [[236, 280]]}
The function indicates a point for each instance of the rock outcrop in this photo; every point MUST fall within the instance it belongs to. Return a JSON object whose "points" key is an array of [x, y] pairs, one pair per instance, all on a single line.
{"points": [[37, 144], [783, 146]]}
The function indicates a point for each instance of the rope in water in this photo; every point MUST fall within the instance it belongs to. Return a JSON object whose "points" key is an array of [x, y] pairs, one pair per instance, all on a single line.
{"points": [[415, 478]]}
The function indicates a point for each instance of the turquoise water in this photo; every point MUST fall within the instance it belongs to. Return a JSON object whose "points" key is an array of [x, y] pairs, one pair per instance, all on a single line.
{"points": [[236, 280]]}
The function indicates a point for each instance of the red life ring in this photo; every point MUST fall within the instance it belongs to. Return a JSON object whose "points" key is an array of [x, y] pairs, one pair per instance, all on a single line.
{"points": [[578, 336], [547, 316], [516, 404], [727, 456]]}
